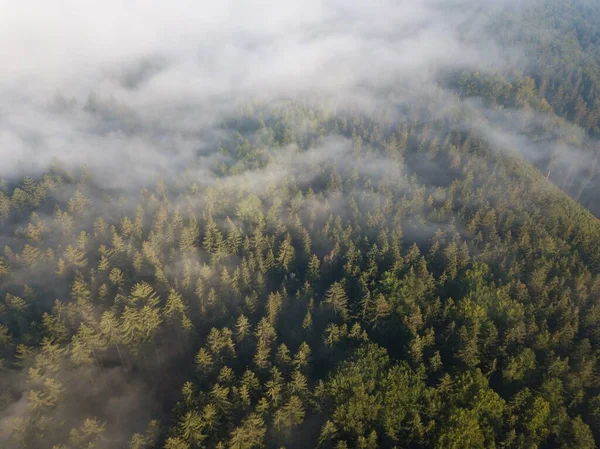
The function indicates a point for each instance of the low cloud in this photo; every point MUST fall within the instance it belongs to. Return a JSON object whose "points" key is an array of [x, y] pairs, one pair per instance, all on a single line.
{"points": [[143, 85]]}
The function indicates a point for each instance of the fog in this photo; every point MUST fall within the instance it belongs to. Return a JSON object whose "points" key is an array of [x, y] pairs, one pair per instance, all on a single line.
{"points": [[143, 84]]}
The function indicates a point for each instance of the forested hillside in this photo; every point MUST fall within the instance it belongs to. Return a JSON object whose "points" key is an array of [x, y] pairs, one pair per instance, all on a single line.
{"points": [[348, 285], [408, 270], [555, 89]]}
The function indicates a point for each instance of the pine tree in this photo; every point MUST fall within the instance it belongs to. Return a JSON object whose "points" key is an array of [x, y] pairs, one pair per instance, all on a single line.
{"points": [[338, 301], [274, 307], [175, 314], [234, 237], [285, 255], [191, 428], [242, 328], [250, 434], [111, 332]]}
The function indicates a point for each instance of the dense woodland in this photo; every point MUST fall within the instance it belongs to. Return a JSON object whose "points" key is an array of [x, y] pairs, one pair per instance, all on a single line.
{"points": [[324, 279]]}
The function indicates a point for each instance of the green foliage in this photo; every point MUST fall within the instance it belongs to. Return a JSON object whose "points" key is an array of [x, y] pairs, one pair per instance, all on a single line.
{"points": [[352, 308]]}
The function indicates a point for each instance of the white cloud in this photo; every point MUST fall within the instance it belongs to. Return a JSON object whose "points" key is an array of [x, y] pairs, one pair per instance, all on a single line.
{"points": [[165, 71]]}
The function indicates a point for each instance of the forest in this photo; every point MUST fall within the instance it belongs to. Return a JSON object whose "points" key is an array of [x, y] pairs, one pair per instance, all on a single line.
{"points": [[318, 275]]}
